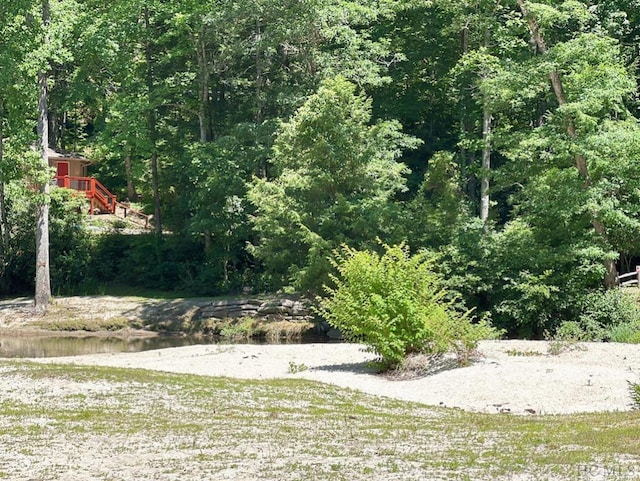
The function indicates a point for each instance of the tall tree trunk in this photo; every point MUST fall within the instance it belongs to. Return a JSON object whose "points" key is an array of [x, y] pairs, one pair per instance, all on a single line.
{"points": [[152, 124], [468, 158], [203, 67], [203, 64], [579, 159], [486, 167], [485, 200], [43, 283], [4, 228], [131, 188]]}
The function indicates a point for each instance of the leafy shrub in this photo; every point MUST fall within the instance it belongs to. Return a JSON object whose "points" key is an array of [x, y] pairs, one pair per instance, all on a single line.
{"points": [[627, 332], [609, 308], [239, 329], [571, 331], [610, 315], [635, 394], [568, 337], [526, 286], [142, 260], [395, 304], [69, 242]]}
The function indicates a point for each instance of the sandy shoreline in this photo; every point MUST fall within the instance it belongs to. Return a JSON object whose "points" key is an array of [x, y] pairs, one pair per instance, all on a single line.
{"points": [[591, 379]]}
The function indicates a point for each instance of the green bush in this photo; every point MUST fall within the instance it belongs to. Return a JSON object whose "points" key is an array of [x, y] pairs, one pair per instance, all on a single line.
{"points": [[572, 331], [526, 286], [635, 394], [395, 304], [143, 260], [69, 242], [609, 308], [611, 315], [628, 332]]}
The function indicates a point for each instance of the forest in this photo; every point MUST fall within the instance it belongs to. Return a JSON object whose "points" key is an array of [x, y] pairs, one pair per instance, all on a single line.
{"points": [[498, 138]]}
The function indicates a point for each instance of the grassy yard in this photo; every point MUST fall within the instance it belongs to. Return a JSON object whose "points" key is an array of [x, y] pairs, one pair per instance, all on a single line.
{"points": [[75, 423]]}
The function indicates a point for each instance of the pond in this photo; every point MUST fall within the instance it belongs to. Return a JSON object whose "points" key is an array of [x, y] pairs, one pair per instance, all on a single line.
{"points": [[57, 346]]}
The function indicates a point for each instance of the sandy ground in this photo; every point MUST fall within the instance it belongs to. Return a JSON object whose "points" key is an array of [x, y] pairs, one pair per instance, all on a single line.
{"points": [[517, 377]]}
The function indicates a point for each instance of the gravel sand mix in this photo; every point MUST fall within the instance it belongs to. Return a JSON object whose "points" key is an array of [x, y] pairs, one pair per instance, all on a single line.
{"points": [[518, 377]]}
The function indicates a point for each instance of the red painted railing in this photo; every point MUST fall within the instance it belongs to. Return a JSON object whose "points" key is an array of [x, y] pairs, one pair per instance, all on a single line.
{"points": [[97, 193]]}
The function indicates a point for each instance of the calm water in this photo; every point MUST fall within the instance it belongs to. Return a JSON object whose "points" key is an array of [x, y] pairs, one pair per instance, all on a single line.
{"points": [[26, 347], [51, 346]]}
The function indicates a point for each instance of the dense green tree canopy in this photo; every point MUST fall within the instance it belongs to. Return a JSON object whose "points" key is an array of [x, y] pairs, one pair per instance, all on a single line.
{"points": [[500, 136], [335, 173]]}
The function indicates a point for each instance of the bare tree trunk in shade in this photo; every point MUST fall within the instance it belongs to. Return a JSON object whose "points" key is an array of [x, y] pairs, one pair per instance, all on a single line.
{"points": [[132, 195]]}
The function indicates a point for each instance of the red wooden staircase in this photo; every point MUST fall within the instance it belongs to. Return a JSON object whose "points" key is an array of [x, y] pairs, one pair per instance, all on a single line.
{"points": [[98, 195]]}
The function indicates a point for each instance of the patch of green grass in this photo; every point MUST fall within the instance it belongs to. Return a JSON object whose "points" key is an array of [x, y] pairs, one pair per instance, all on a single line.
{"points": [[71, 324], [516, 352], [242, 329], [635, 394], [283, 429], [238, 329], [295, 367]]}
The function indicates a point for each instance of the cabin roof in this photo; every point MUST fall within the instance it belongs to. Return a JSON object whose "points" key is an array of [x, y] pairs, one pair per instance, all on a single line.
{"points": [[68, 156]]}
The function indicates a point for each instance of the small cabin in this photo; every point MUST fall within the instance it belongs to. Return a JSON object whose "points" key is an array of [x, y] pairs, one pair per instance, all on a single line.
{"points": [[71, 173], [72, 165]]}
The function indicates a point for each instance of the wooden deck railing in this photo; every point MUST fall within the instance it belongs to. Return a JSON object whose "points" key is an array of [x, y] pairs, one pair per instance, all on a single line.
{"points": [[98, 194], [127, 212], [629, 279]]}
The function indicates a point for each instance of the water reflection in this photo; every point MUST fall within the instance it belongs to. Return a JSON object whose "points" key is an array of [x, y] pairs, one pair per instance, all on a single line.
{"points": [[53, 346], [58, 346]]}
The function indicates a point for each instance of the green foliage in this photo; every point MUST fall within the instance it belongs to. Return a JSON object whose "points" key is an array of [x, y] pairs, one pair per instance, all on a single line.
{"points": [[437, 210], [143, 261], [224, 91], [628, 333], [239, 329], [634, 389], [610, 315], [175, 264], [295, 368], [525, 283], [336, 174], [69, 241], [573, 331], [396, 305]]}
